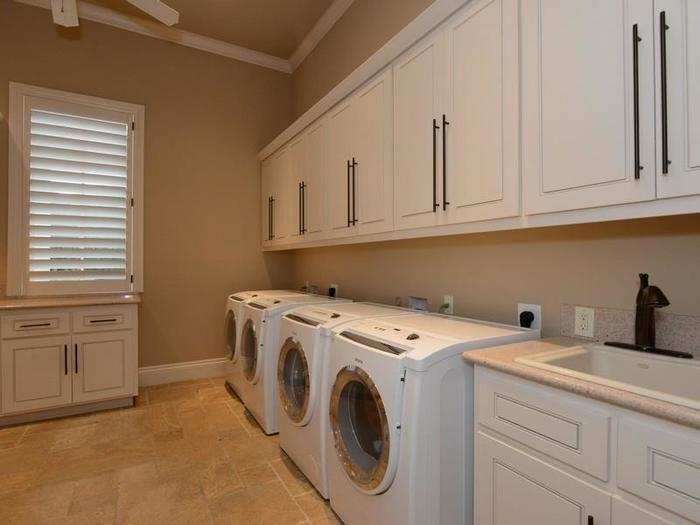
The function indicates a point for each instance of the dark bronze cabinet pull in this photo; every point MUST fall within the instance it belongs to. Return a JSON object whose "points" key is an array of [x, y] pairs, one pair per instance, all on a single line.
{"points": [[354, 191], [269, 218], [65, 359], [349, 219], [445, 123], [110, 320], [303, 207], [300, 205], [272, 218], [34, 325], [76, 357], [435, 128], [635, 67], [663, 28]]}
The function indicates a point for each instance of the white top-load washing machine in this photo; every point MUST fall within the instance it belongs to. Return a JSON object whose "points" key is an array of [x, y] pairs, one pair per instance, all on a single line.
{"points": [[255, 373], [302, 370], [400, 441]]}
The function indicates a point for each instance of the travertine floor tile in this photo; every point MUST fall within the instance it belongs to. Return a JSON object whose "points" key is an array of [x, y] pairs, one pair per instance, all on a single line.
{"points": [[186, 453]]}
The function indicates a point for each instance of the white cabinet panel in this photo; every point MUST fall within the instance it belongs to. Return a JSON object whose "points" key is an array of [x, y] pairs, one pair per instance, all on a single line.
{"points": [[266, 181], [418, 81], [513, 488], [105, 366], [578, 103], [624, 513], [661, 467], [282, 195], [482, 178], [682, 115], [341, 123], [372, 152], [298, 166], [35, 373], [315, 182]]}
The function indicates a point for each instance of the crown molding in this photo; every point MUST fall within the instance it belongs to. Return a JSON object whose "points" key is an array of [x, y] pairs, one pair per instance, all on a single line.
{"points": [[324, 24], [112, 18]]}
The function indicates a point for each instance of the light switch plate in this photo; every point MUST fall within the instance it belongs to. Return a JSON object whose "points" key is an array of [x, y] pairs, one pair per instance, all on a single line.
{"points": [[584, 322]]}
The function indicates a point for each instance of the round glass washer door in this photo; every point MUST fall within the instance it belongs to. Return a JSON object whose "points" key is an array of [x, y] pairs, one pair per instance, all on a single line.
{"points": [[230, 327], [249, 343], [293, 380], [360, 429]]}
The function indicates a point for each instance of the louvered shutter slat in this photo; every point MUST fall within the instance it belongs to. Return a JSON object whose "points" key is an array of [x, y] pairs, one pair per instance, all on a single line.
{"points": [[78, 198]]}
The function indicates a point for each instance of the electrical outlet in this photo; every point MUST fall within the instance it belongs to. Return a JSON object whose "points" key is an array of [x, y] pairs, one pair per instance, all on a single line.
{"points": [[335, 288], [536, 310], [584, 322], [448, 305]]}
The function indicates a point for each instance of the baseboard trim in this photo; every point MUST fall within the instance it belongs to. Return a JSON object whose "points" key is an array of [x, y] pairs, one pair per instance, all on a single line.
{"points": [[72, 410], [161, 374]]}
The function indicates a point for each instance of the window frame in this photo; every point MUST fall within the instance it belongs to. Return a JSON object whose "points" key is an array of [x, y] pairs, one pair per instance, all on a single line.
{"points": [[18, 283]]}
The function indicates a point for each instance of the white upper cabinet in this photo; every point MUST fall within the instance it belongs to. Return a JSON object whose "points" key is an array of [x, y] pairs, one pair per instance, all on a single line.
{"points": [[456, 120], [678, 97], [587, 123], [481, 129], [418, 82], [373, 195], [313, 180], [298, 167], [338, 170]]}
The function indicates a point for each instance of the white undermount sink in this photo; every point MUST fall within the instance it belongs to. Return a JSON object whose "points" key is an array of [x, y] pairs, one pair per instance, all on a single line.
{"points": [[665, 378]]}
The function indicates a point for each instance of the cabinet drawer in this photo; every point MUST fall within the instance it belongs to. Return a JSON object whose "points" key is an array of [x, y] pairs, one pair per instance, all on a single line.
{"points": [[548, 420], [35, 323], [102, 318], [660, 466]]}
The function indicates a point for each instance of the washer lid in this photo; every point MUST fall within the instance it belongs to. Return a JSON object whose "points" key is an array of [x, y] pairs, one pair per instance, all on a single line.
{"points": [[429, 338], [250, 294], [329, 315], [274, 304]]}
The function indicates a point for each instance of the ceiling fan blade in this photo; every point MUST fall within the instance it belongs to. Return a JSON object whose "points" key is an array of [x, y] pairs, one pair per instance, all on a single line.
{"points": [[65, 12], [157, 10]]}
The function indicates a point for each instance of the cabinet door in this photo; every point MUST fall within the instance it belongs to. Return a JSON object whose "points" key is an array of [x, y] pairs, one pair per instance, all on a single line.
{"points": [[341, 123], [298, 162], [314, 180], [105, 366], [373, 153], [513, 488], [482, 179], [419, 77], [282, 194], [36, 373], [266, 181], [578, 103], [681, 115]]}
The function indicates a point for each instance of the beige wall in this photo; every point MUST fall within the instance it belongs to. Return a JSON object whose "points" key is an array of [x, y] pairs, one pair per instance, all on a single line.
{"points": [[489, 273], [364, 28], [206, 118]]}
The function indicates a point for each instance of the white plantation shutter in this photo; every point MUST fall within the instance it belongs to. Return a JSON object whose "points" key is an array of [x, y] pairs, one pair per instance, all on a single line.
{"points": [[75, 175], [77, 198]]}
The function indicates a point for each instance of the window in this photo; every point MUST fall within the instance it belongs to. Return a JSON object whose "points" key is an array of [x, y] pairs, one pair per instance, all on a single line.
{"points": [[75, 187]]}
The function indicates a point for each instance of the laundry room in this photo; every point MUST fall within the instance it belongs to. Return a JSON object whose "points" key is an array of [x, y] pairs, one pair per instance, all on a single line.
{"points": [[350, 261]]}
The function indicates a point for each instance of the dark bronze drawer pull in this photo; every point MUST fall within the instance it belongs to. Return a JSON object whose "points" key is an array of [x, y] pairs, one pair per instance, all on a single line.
{"points": [[103, 321], [34, 325]]}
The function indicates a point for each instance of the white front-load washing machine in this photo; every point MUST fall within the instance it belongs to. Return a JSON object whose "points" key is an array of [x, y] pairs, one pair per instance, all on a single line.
{"points": [[257, 383], [302, 370], [232, 325], [401, 417]]}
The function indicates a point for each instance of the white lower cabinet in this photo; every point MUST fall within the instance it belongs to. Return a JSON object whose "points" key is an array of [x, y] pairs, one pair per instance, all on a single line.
{"points": [[513, 488], [104, 365], [94, 359], [616, 467], [36, 373]]}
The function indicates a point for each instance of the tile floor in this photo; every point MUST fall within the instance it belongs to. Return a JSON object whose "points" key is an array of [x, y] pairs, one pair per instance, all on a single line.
{"points": [[187, 453]]}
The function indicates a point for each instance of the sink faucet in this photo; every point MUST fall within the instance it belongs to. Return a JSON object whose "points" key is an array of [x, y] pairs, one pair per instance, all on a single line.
{"points": [[649, 298]]}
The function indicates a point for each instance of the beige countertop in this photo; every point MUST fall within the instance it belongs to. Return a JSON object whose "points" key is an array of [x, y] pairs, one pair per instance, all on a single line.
{"points": [[502, 359], [9, 304]]}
